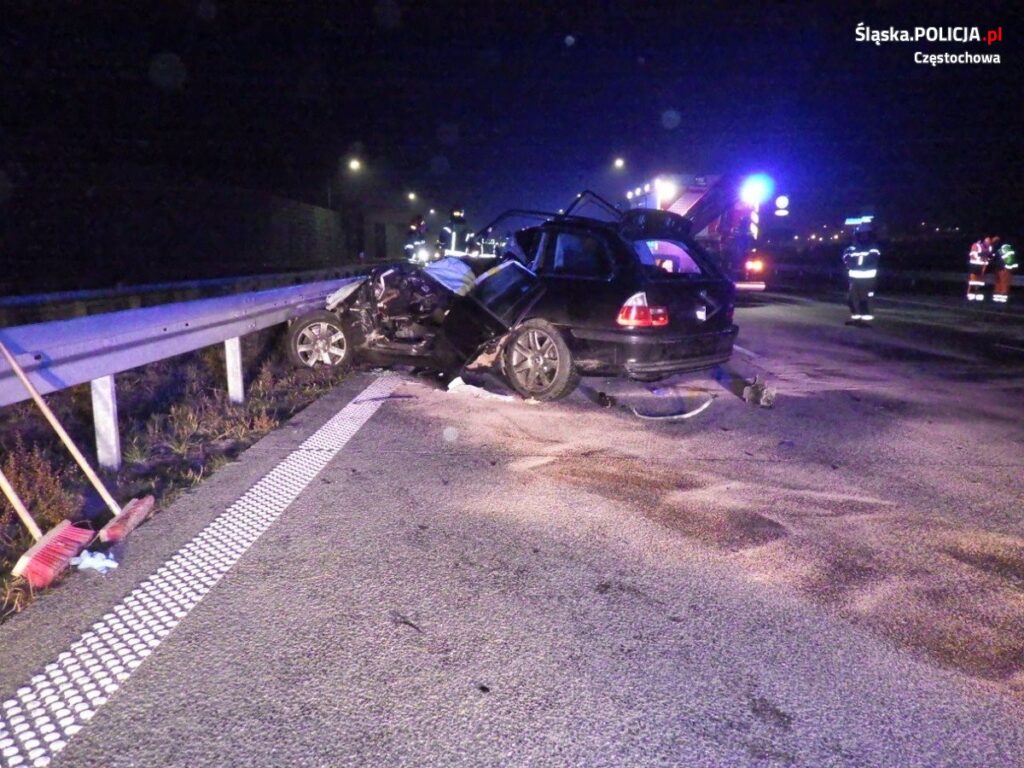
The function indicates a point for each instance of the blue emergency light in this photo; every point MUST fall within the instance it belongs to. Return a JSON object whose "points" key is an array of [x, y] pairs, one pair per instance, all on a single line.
{"points": [[756, 189]]}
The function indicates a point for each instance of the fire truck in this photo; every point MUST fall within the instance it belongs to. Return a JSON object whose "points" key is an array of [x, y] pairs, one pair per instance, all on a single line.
{"points": [[735, 237]]}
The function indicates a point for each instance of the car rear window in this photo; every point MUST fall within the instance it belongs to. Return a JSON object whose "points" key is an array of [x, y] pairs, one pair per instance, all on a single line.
{"points": [[671, 257]]}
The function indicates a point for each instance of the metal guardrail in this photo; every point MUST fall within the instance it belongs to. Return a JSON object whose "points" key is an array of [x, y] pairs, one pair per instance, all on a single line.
{"points": [[44, 307], [63, 353]]}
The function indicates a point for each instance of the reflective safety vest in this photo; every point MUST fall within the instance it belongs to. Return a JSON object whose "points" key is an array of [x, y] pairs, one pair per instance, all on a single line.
{"points": [[454, 238], [1008, 256], [861, 262], [415, 247], [981, 254]]}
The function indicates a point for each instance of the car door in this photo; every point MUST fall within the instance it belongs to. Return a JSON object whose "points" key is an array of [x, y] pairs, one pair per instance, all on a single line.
{"points": [[496, 302], [579, 269]]}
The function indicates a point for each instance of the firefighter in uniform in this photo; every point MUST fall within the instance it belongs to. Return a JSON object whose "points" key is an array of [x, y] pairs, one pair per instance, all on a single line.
{"points": [[979, 257], [1004, 263], [416, 241], [455, 235], [861, 262]]}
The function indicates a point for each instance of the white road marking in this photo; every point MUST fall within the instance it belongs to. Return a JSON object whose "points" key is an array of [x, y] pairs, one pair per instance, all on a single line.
{"points": [[1009, 346], [745, 351], [54, 705]]}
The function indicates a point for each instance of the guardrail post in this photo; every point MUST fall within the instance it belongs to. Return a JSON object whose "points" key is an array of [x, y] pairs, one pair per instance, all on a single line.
{"points": [[104, 416], [236, 383]]}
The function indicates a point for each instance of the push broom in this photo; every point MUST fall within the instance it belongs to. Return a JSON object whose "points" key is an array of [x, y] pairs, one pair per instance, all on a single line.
{"points": [[52, 552], [134, 512]]}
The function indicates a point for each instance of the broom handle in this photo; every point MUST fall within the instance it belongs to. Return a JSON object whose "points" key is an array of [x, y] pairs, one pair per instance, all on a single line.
{"points": [[26, 518], [101, 489]]}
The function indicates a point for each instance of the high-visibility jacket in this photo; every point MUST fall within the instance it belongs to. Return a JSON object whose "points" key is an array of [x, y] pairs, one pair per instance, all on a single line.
{"points": [[861, 261], [981, 254], [415, 246], [1007, 256], [454, 238]]}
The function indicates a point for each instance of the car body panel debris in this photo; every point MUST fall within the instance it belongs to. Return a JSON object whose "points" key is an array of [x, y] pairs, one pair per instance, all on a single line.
{"points": [[680, 416], [759, 393]]}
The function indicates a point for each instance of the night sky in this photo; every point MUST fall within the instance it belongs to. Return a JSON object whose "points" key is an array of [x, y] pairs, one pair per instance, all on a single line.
{"points": [[500, 104]]}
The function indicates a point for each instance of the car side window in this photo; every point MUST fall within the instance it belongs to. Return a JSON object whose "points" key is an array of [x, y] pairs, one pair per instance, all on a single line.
{"points": [[575, 254], [523, 245]]}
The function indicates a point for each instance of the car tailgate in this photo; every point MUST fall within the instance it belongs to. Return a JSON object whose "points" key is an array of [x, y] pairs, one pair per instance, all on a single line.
{"points": [[694, 305]]}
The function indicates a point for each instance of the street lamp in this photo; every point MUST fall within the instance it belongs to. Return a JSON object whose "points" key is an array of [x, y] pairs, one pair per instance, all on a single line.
{"points": [[412, 197], [619, 163], [355, 164]]}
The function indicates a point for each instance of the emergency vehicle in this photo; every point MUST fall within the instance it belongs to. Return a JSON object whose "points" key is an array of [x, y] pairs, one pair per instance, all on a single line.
{"points": [[735, 236]]}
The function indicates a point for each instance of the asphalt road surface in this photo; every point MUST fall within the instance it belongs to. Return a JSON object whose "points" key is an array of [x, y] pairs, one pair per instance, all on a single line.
{"points": [[466, 579]]}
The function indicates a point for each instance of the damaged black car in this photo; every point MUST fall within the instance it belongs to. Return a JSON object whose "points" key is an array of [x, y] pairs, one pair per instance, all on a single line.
{"points": [[628, 294]]}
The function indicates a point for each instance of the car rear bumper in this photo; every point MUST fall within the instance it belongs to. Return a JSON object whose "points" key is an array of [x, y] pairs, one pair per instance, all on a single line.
{"points": [[615, 352]]}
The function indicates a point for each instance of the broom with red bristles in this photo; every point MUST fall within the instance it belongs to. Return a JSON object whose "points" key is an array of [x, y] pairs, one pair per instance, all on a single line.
{"points": [[52, 552], [125, 519]]}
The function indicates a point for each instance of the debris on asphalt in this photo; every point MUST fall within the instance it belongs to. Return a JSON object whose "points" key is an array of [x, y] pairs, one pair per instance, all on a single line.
{"points": [[674, 416], [459, 385], [392, 396], [400, 620], [759, 393], [96, 561], [599, 398]]}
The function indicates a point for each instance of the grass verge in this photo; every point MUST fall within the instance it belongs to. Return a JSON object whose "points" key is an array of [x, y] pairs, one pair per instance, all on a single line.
{"points": [[177, 427]]}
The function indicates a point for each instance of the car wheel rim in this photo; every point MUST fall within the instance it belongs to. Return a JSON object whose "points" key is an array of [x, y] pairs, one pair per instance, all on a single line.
{"points": [[535, 360], [321, 342]]}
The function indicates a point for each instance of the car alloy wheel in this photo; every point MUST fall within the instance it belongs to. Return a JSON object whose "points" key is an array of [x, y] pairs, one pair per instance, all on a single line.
{"points": [[534, 359], [321, 342]]}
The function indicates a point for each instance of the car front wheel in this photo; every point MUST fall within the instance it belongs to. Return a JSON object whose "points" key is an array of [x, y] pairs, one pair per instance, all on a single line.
{"points": [[319, 339], [538, 363]]}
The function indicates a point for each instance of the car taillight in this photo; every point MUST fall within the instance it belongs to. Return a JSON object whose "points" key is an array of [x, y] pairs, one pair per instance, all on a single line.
{"points": [[755, 265], [636, 313]]}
